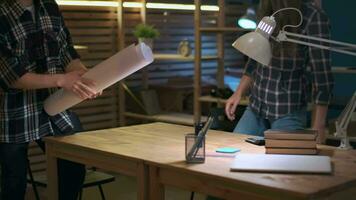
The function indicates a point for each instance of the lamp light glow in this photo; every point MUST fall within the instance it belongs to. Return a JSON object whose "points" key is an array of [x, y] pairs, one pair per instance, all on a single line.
{"points": [[209, 8], [88, 3], [132, 5], [248, 21], [169, 6]]}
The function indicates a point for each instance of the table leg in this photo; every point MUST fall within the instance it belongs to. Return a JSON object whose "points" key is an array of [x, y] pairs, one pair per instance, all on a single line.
{"points": [[52, 175], [142, 181], [156, 188]]}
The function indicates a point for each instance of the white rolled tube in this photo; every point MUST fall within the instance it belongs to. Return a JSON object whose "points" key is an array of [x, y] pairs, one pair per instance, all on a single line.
{"points": [[105, 74]]}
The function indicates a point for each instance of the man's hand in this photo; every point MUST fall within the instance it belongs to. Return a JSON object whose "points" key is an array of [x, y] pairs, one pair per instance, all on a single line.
{"points": [[230, 106], [82, 87]]}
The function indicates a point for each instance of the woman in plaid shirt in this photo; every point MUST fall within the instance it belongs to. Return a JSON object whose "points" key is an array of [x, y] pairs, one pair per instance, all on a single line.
{"points": [[278, 93], [36, 58]]}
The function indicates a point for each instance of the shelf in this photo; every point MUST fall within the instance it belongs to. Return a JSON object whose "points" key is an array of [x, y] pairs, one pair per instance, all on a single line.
{"points": [[223, 29], [182, 58], [210, 99], [176, 118]]}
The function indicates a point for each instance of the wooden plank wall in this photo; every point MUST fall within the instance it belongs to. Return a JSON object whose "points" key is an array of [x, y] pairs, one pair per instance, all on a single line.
{"points": [[96, 28], [175, 26]]}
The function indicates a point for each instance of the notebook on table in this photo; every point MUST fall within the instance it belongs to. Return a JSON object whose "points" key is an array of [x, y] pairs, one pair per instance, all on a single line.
{"points": [[282, 163]]}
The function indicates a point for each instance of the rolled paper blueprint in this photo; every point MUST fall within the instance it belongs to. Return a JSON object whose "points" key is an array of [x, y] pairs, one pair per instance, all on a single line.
{"points": [[105, 74]]}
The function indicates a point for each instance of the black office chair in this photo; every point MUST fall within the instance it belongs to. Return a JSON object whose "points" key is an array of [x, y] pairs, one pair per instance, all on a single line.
{"points": [[221, 122], [37, 173], [37, 166]]}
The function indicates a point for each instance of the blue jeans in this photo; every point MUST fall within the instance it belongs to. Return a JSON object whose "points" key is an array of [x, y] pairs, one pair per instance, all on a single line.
{"points": [[13, 160], [252, 124]]}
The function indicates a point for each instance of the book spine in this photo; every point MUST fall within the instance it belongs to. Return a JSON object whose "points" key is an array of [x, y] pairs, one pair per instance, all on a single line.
{"points": [[291, 151], [299, 144], [287, 136]]}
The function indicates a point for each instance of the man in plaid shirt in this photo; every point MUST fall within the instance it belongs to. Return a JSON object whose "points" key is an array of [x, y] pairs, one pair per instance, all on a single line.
{"points": [[36, 58], [278, 93]]}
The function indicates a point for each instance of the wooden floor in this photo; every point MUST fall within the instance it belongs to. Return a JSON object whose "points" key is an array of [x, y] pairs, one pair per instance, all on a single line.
{"points": [[122, 189]]}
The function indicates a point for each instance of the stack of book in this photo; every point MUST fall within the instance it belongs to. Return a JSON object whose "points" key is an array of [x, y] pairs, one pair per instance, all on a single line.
{"points": [[290, 142]]}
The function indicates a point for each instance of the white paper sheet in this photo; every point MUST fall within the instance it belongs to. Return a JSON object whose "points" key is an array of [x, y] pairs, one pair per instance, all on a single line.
{"points": [[105, 74], [281, 163]]}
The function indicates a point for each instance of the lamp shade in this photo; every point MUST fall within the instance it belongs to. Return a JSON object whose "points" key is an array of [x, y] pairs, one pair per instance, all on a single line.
{"points": [[255, 46]]}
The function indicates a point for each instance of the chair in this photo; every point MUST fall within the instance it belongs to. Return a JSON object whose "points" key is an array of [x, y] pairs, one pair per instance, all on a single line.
{"points": [[37, 173], [221, 122]]}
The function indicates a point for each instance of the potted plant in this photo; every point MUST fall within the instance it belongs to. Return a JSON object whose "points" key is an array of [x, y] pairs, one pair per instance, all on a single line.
{"points": [[146, 33]]}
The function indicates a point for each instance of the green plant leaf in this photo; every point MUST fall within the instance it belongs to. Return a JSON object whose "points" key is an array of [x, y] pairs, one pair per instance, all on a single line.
{"points": [[145, 31]]}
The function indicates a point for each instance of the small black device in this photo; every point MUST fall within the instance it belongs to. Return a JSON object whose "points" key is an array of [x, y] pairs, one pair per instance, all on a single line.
{"points": [[258, 140]]}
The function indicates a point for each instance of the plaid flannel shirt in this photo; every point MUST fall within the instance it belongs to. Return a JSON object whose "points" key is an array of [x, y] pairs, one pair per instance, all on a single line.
{"points": [[283, 87], [43, 46]]}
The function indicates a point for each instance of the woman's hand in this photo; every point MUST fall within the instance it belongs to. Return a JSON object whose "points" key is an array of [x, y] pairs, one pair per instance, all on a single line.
{"points": [[230, 106], [82, 87], [321, 134], [319, 122]]}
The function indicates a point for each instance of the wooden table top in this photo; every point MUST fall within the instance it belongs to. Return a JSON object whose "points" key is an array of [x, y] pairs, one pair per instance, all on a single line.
{"points": [[162, 144]]}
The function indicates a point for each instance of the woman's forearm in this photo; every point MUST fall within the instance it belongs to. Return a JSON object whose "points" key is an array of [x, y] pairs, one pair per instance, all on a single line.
{"points": [[38, 81], [320, 116], [244, 85]]}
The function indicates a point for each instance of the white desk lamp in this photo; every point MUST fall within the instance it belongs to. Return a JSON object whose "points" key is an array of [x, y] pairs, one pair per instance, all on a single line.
{"points": [[343, 121], [256, 45]]}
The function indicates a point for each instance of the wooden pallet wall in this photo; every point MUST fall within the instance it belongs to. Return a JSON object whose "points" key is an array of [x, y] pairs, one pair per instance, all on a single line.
{"points": [[96, 27], [175, 26]]}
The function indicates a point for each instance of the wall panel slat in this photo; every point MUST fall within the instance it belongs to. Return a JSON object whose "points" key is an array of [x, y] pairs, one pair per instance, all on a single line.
{"points": [[96, 28]]}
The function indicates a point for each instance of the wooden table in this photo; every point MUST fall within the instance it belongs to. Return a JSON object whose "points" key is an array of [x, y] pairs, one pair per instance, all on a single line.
{"points": [[154, 153], [109, 149]]}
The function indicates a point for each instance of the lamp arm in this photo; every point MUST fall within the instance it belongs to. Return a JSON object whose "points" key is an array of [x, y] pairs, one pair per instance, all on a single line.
{"points": [[349, 113], [282, 36], [341, 120], [319, 39], [345, 117]]}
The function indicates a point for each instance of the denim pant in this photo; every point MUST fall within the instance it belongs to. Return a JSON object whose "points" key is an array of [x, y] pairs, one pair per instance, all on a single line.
{"points": [[13, 159], [252, 124]]}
